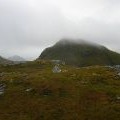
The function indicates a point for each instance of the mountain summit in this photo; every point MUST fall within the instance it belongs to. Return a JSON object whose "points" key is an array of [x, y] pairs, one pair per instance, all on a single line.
{"points": [[5, 61], [16, 58], [80, 53]]}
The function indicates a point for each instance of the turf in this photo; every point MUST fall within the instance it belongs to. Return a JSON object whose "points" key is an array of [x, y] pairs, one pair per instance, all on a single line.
{"points": [[86, 93]]}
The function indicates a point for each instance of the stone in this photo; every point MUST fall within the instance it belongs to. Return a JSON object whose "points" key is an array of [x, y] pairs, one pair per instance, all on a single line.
{"points": [[2, 74], [1, 92], [2, 88], [29, 89], [84, 82], [94, 74], [118, 97], [118, 74], [116, 67], [64, 71], [56, 69], [73, 75]]}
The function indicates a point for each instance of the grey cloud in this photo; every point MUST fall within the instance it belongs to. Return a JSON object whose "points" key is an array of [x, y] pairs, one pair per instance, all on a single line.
{"points": [[29, 26]]}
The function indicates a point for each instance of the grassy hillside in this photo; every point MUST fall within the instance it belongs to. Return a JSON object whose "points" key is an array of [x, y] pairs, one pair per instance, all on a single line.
{"points": [[34, 92], [81, 54]]}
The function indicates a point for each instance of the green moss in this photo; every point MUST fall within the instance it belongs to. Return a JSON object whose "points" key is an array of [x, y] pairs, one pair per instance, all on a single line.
{"points": [[88, 93]]}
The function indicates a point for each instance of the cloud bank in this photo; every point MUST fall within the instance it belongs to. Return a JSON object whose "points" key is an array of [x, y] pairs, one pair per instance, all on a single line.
{"points": [[29, 26]]}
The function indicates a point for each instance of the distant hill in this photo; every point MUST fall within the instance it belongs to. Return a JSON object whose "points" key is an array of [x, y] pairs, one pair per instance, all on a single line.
{"points": [[80, 53], [5, 61], [16, 58]]}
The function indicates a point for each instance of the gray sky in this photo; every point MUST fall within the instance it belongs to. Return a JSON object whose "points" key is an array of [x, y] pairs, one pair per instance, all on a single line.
{"points": [[29, 26]]}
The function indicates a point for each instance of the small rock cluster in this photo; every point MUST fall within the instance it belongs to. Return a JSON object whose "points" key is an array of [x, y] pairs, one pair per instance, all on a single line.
{"points": [[56, 69], [2, 88], [117, 67]]}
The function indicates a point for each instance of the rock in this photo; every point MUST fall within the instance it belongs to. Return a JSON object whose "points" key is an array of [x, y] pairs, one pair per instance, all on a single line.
{"points": [[56, 69], [2, 74], [64, 71], [2, 88], [84, 82], [25, 75], [118, 74], [73, 75], [116, 67], [29, 89], [1, 92], [118, 97], [94, 74]]}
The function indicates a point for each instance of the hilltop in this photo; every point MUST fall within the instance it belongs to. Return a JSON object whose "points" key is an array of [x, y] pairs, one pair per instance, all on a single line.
{"points": [[16, 58], [80, 53], [5, 61]]}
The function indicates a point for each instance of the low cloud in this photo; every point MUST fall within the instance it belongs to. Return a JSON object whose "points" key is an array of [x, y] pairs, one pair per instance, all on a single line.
{"points": [[29, 26]]}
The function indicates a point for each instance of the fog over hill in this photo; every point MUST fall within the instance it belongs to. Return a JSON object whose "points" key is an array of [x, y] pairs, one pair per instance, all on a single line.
{"points": [[80, 53], [29, 26]]}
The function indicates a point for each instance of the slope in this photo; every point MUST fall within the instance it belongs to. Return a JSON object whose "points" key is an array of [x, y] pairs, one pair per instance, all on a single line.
{"points": [[80, 53]]}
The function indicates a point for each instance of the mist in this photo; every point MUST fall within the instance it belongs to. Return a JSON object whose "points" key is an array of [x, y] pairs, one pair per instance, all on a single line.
{"points": [[27, 27]]}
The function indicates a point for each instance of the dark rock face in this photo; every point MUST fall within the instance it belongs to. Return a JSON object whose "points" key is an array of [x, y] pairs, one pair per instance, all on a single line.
{"points": [[80, 53]]}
